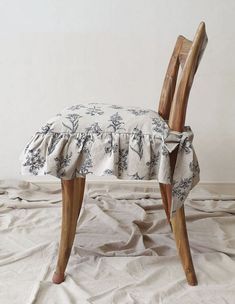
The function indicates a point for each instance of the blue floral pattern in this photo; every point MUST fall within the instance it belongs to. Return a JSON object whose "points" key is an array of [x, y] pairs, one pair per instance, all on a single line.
{"points": [[137, 142], [102, 139], [34, 161], [61, 163], [94, 110], [116, 123], [73, 120], [137, 112]]}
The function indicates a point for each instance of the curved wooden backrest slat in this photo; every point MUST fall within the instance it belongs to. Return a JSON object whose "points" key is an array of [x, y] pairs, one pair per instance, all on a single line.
{"points": [[180, 100], [169, 84], [174, 98], [185, 48]]}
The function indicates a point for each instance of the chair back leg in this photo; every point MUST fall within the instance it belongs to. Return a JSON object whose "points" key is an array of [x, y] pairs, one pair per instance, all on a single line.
{"points": [[182, 243], [178, 226], [165, 189]]}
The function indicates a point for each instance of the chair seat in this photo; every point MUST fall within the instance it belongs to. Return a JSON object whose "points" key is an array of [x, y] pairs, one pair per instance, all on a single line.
{"points": [[103, 139]]}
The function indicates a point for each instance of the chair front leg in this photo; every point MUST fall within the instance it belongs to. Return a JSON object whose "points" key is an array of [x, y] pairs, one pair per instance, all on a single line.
{"points": [[182, 243], [72, 197]]}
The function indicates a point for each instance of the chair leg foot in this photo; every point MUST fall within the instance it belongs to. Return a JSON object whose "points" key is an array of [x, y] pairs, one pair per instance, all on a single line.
{"points": [[58, 278], [72, 197], [182, 243]]}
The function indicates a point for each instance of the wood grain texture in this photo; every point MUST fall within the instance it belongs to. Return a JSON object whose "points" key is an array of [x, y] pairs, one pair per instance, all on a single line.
{"points": [[166, 201], [190, 64], [173, 105], [175, 91], [182, 243], [72, 197], [169, 84]]}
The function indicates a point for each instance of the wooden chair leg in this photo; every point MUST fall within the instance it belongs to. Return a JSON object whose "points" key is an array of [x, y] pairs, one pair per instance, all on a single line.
{"points": [[178, 225], [165, 200], [72, 197], [182, 243]]}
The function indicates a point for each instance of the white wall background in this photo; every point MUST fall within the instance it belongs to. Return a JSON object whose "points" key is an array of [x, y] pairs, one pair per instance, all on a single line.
{"points": [[57, 53]]}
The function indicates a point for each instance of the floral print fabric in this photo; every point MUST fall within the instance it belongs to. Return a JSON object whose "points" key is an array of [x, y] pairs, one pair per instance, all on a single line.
{"points": [[103, 139]]}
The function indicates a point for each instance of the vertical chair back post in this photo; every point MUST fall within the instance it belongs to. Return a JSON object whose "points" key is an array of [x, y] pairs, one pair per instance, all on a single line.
{"points": [[172, 107], [170, 80], [189, 58]]}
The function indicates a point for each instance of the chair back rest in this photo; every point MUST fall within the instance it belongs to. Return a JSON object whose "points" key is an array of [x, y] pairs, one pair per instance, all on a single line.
{"points": [[175, 91]]}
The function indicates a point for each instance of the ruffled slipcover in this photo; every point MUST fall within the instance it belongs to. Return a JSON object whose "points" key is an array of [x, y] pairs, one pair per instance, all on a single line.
{"points": [[102, 139]]}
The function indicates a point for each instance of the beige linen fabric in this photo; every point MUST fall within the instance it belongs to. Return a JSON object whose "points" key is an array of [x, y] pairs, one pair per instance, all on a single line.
{"points": [[124, 250], [111, 140]]}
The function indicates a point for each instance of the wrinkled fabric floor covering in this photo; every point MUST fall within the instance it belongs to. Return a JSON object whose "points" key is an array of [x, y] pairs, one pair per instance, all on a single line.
{"points": [[124, 250]]}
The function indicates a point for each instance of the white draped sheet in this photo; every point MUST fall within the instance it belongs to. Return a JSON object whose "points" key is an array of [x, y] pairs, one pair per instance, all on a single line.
{"points": [[124, 250]]}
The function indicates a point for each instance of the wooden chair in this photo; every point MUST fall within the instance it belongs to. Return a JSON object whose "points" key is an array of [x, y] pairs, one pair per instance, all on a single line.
{"points": [[172, 107]]}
